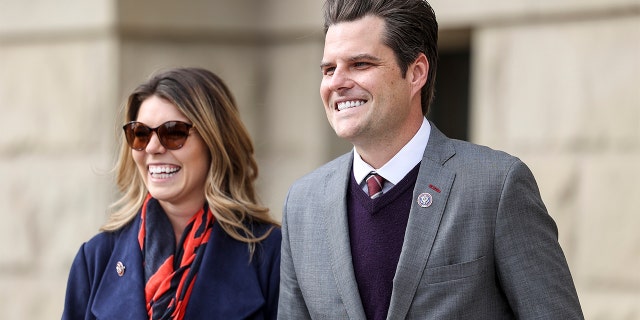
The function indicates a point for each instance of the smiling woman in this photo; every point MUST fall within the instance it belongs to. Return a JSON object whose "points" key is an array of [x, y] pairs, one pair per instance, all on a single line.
{"points": [[188, 222], [176, 178]]}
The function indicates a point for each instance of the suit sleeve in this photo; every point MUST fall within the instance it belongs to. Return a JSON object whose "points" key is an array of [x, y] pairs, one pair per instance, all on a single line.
{"points": [[76, 300], [531, 266], [291, 303]]}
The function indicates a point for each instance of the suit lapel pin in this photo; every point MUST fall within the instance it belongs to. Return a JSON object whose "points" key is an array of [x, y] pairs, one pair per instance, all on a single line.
{"points": [[120, 268], [425, 200]]}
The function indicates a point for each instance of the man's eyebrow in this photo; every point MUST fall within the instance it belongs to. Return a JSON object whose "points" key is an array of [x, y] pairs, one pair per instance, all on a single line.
{"points": [[359, 57], [364, 56], [324, 65]]}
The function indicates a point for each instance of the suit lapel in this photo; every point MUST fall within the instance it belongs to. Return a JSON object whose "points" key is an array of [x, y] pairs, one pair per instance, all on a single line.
{"points": [[125, 293], [424, 221], [337, 229]]}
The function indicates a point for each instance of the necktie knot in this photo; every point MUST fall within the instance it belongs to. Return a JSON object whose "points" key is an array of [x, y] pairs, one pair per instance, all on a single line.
{"points": [[374, 184]]}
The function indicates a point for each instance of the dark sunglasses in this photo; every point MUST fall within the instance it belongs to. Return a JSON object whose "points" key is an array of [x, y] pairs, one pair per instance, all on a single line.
{"points": [[172, 134]]}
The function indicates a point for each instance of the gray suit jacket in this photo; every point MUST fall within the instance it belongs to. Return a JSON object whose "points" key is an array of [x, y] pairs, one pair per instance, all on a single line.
{"points": [[486, 248]]}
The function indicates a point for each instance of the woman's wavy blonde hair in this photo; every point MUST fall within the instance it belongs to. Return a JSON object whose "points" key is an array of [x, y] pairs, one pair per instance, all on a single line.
{"points": [[207, 102]]}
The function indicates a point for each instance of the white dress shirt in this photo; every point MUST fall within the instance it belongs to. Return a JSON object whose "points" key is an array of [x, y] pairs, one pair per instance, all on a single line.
{"points": [[397, 168]]}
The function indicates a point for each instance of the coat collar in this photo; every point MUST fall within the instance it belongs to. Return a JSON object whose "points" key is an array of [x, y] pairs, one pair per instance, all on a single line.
{"points": [[125, 292], [431, 193], [337, 228]]}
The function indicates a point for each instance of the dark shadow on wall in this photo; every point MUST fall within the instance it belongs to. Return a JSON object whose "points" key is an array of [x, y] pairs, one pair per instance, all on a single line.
{"points": [[450, 108]]}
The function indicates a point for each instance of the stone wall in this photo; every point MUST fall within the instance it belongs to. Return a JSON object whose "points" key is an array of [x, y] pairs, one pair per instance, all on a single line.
{"points": [[558, 84], [554, 82]]}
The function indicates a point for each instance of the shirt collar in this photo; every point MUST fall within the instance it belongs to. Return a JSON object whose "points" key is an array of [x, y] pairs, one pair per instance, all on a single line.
{"points": [[406, 159]]}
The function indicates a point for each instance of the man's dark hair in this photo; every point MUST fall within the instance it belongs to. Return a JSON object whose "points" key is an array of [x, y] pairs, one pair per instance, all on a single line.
{"points": [[410, 28]]}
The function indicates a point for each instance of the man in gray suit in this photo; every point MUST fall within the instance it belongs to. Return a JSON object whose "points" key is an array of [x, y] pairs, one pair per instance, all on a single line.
{"points": [[411, 224]]}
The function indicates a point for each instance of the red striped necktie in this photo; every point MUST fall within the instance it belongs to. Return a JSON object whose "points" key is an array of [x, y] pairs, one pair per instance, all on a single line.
{"points": [[375, 183]]}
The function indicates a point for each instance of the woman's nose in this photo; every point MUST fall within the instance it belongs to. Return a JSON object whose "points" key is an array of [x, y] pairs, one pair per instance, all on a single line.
{"points": [[154, 145]]}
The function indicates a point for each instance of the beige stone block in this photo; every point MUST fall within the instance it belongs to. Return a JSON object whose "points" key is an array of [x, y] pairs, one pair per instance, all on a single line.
{"points": [[57, 96], [198, 16], [32, 296], [463, 13], [607, 305], [50, 205], [295, 112], [609, 249], [287, 16], [46, 17], [295, 131], [16, 233], [557, 86], [206, 17]]}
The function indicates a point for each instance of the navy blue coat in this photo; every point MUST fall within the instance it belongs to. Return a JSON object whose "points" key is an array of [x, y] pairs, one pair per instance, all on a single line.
{"points": [[227, 286]]}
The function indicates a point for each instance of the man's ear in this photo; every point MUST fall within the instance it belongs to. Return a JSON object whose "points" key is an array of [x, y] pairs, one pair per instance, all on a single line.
{"points": [[418, 73]]}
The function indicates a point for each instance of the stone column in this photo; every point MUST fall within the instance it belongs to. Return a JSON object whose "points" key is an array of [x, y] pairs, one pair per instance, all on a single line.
{"points": [[58, 65]]}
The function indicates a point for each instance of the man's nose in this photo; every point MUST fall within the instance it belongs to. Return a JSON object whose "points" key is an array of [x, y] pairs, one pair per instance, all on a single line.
{"points": [[341, 79]]}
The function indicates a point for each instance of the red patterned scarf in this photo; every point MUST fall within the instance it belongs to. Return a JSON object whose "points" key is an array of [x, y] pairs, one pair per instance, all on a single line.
{"points": [[170, 270]]}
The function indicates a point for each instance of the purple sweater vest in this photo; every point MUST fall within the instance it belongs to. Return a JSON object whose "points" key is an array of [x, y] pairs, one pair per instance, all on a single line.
{"points": [[376, 232]]}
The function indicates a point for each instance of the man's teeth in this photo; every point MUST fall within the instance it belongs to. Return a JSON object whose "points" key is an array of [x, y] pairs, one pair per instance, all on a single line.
{"points": [[163, 171], [349, 104]]}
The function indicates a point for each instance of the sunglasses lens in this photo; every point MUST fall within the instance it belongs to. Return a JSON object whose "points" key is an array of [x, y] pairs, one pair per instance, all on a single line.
{"points": [[137, 135], [173, 134]]}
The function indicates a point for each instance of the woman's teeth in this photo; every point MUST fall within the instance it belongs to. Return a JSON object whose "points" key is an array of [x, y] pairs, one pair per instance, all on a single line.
{"points": [[163, 171]]}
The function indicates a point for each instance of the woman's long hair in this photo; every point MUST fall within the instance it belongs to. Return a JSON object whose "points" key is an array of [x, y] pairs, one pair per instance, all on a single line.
{"points": [[229, 190]]}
